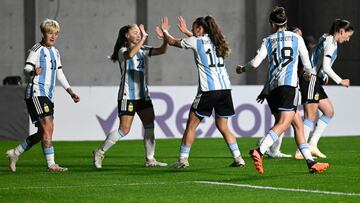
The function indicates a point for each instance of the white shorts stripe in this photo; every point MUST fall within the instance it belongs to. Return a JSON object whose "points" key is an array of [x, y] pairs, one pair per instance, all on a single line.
{"points": [[37, 105]]}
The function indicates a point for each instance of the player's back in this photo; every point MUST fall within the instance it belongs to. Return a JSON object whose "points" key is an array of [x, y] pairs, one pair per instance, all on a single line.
{"points": [[283, 51]]}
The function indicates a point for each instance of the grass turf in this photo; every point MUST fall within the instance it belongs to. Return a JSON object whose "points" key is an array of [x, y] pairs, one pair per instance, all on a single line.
{"points": [[125, 179]]}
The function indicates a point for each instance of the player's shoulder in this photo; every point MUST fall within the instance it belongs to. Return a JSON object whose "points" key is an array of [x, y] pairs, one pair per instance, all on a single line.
{"points": [[36, 47]]}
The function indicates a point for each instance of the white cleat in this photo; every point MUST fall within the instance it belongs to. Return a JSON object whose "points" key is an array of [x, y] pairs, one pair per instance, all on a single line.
{"points": [[181, 163], [12, 159], [316, 152], [153, 163], [238, 162], [278, 154], [98, 156], [57, 168]]}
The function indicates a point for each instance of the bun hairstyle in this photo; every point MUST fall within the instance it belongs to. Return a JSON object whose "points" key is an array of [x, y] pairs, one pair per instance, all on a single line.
{"points": [[278, 16], [216, 36], [339, 24]]}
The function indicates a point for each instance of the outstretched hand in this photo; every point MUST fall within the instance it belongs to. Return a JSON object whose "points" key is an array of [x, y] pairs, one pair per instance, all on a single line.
{"points": [[182, 25], [144, 34], [159, 32], [165, 24]]}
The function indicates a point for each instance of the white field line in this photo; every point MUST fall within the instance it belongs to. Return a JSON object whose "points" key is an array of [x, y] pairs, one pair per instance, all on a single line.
{"points": [[185, 182], [278, 188]]}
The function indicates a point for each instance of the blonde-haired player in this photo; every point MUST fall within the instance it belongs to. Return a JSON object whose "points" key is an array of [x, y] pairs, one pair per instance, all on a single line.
{"points": [[44, 67]]}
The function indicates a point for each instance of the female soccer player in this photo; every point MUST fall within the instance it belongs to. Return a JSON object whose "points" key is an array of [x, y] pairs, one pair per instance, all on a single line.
{"points": [[133, 96], [44, 65], [312, 92], [282, 48], [214, 92]]}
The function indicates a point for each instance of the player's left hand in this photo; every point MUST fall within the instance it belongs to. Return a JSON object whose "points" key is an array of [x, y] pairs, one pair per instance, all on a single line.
{"points": [[260, 98]]}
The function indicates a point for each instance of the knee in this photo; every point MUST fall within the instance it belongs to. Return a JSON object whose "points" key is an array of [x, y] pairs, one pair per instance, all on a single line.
{"points": [[125, 129]]}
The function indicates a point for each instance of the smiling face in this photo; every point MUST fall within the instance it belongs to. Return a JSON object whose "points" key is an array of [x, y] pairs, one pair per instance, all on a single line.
{"points": [[49, 38], [343, 36], [133, 35]]}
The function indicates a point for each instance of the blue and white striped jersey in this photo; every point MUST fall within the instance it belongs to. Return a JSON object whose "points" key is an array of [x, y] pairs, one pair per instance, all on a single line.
{"points": [[48, 58], [211, 68], [133, 84], [283, 49], [324, 56]]}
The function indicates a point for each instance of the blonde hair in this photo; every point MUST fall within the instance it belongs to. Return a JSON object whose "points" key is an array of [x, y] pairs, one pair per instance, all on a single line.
{"points": [[49, 25]]}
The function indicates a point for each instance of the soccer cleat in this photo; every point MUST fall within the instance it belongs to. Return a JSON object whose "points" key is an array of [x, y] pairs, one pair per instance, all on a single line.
{"points": [[153, 163], [316, 152], [98, 156], [12, 159], [318, 167], [277, 154], [181, 163], [57, 168], [238, 162], [257, 159]]}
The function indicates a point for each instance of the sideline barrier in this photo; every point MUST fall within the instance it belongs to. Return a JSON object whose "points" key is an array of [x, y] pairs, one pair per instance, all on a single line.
{"points": [[96, 114]]}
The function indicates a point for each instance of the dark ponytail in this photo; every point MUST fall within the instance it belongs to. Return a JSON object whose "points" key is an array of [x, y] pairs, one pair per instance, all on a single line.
{"points": [[339, 24], [215, 34], [120, 42]]}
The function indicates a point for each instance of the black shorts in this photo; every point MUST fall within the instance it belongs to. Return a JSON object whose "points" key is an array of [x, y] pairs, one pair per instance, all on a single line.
{"points": [[129, 107], [283, 98], [39, 107], [311, 90], [219, 100]]}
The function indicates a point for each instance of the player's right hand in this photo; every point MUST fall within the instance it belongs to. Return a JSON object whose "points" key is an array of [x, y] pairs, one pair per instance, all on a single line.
{"points": [[240, 69]]}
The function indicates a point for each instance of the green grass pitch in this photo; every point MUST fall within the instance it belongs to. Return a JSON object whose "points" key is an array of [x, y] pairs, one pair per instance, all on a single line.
{"points": [[209, 179]]}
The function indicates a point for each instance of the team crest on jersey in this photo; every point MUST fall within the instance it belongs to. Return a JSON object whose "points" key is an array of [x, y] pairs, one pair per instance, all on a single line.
{"points": [[316, 97], [46, 108], [130, 107]]}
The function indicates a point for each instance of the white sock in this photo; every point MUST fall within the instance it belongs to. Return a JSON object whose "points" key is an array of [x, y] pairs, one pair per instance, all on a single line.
{"points": [[149, 141], [308, 127], [234, 148], [184, 151], [111, 139], [305, 151], [21, 148], [319, 130], [275, 148], [49, 155], [269, 140]]}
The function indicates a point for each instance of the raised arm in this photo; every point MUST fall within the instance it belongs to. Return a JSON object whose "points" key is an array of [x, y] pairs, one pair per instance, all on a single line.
{"points": [[133, 50], [183, 27], [168, 38]]}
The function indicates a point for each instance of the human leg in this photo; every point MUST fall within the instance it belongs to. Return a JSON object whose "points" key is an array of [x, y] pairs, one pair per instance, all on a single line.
{"points": [[187, 140], [230, 139], [147, 117], [112, 138]]}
